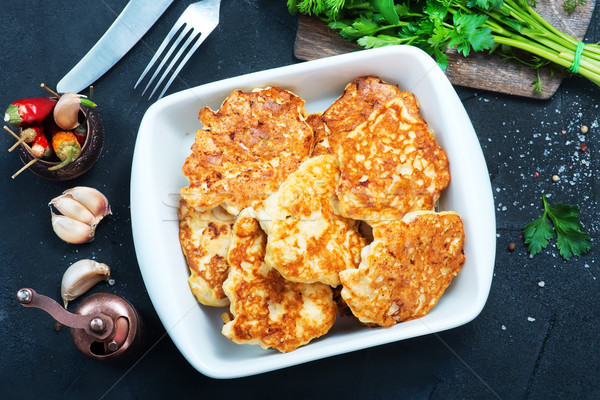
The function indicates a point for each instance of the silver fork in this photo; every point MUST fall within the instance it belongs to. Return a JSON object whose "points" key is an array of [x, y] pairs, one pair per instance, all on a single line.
{"points": [[194, 25]]}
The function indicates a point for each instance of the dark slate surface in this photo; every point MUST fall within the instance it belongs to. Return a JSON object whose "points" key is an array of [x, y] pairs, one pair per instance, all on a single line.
{"points": [[537, 336]]}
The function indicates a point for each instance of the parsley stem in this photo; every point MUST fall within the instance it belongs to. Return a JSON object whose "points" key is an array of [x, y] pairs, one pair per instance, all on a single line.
{"points": [[526, 8], [531, 47], [585, 69], [546, 206]]}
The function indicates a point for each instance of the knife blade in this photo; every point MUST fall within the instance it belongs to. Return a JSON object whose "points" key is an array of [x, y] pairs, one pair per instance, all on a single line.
{"points": [[129, 27]]}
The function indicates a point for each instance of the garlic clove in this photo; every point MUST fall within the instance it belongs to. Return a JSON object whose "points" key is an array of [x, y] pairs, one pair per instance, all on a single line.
{"points": [[92, 199], [66, 111], [69, 207], [71, 230], [81, 277]]}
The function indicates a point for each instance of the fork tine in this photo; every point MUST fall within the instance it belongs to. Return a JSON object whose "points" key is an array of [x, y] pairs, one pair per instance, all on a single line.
{"points": [[182, 33], [184, 61], [183, 48], [162, 47], [194, 25]]}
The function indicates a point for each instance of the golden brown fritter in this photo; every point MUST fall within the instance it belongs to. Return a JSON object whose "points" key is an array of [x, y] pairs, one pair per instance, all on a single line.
{"points": [[360, 99], [307, 241], [267, 309], [406, 269], [321, 135], [248, 147], [205, 239], [390, 164]]}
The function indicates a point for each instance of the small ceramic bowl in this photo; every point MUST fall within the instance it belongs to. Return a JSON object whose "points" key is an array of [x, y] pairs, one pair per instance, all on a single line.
{"points": [[90, 152]]}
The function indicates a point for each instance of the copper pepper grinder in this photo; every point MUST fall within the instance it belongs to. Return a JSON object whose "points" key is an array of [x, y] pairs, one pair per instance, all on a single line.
{"points": [[103, 327]]}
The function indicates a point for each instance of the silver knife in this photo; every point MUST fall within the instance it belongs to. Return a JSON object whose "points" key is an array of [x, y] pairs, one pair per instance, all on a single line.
{"points": [[129, 27]]}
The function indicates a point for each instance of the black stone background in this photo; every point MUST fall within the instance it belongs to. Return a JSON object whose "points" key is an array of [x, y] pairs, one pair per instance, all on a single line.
{"points": [[529, 342]]}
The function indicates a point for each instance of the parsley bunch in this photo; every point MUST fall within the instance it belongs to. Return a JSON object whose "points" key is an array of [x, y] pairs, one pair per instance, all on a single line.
{"points": [[468, 25], [571, 240]]}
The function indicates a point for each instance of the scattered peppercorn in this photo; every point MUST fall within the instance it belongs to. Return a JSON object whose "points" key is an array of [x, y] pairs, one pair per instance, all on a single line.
{"points": [[555, 178], [583, 147], [512, 246], [57, 326], [584, 129]]}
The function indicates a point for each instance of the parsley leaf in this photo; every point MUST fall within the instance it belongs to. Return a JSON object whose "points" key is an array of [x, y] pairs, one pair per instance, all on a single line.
{"points": [[484, 4], [370, 42], [362, 26], [470, 32], [571, 240], [538, 234], [386, 8]]}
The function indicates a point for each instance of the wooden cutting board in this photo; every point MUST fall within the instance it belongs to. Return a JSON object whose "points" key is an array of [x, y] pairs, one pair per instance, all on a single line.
{"points": [[481, 71]]}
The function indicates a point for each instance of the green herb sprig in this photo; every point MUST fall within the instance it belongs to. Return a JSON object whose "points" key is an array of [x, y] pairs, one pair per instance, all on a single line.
{"points": [[467, 25], [570, 5], [571, 240]]}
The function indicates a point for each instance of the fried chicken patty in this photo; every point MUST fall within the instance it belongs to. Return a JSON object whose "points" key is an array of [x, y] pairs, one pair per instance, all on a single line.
{"points": [[390, 164], [360, 99], [205, 239], [267, 309], [246, 149], [406, 269], [307, 241]]}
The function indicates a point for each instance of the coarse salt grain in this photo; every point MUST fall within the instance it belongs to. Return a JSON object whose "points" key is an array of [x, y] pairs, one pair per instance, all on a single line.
{"points": [[541, 283], [530, 319]]}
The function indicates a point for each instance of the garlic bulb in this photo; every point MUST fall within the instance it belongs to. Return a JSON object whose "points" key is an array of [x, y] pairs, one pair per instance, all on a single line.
{"points": [[81, 277], [81, 209]]}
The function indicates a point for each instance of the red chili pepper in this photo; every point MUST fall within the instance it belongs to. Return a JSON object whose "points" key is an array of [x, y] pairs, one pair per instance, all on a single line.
{"points": [[40, 147], [81, 132], [26, 112]]}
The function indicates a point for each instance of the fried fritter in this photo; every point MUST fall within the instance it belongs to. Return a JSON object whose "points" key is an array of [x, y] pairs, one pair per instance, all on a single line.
{"points": [[360, 99], [321, 135], [307, 241], [248, 147], [205, 239], [406, 269], [390, 164], [267, 309]]}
